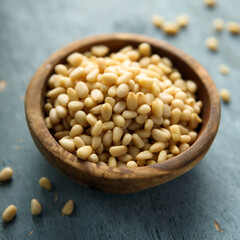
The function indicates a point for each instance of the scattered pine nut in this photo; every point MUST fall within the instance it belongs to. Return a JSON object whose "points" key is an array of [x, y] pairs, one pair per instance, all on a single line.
{"points": [[9, 213], [45, 183], [224, 69], [3, 85], [36, 207], [225, 95], [210, 3], [170, 28], [157, 21], [5, 174], [218, 24], [68, 208], [182, 20], [212, 44], [233, 27]]}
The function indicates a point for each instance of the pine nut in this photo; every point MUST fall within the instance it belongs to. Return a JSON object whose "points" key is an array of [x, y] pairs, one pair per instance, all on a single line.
{"points": [[131, 164], [137, 141], [112, 162], [45, 183], [68, 208], [106, 111], [118, 151], [97, 128], [157, 147], [67, 144], [84, 152], [9, 213], [36, 207], [5, 174], [144, 155], [93, 158]]}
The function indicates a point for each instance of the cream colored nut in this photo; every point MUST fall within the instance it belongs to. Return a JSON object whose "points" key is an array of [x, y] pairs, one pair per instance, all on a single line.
{"points": [[68, 208], [157, 108], [157, 147], [108, 125], [92, 76], [144, 155], [96, 142], [100, 50], [148, 125], [141, 119], [97, 95], [175, 131], [78, 142], [118, 120], [145, 82], [182, 20], [233, 27], [75, 106], [159, 135], [143, 109], [210, 3], [77, 74], [84, 152], [125, 158], [9, 213], [145, 49], [45, 183], [54, 93], [106, 111], [117, 134], [118, 151], [63, 99], [132, 102], [212, 44], [75, 59], [131, 164], [112, 162], [76, 130], [93, 158], [127, 139], [97, 128], [67, 144], [5, 174], [170, 28], [109, 78], [61, 69], [225, 95], [60, 135], [157, 20], [36, 207], [129, 114], [174, 149], [72, 94], [122, 90], [224, 69], [125, 78], [82, 89], [218, 24], [137, 141], [107, 138]]}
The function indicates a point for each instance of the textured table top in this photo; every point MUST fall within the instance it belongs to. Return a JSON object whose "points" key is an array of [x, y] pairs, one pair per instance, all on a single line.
{"points": [[184, 208]]}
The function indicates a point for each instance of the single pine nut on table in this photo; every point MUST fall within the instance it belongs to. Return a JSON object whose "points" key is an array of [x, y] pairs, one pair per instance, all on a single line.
{"points": [[128, 108]]}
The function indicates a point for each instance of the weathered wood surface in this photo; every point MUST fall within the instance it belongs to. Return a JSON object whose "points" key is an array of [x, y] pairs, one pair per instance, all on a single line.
{"points": [[184, 208]]}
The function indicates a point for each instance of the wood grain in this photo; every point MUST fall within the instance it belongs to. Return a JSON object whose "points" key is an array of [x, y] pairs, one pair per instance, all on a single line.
{"points": [[122, 180]]}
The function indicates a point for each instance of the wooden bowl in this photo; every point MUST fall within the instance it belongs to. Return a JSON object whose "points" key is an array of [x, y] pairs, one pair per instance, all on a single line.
{"points": [[122, 180]]}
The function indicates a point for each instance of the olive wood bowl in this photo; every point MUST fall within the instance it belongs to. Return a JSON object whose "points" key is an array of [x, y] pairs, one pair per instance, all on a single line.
{"points": [[122, 180]]}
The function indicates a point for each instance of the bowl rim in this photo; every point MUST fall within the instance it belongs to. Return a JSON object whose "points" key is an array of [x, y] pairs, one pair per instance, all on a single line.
{"points": [[38, 129]]}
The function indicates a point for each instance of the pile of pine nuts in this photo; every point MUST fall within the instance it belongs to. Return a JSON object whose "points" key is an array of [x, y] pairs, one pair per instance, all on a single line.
{"points": [[124, 109]]}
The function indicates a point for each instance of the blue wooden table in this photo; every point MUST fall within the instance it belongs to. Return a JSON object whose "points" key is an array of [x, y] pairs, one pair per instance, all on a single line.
{"points": [[184, 208]]}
